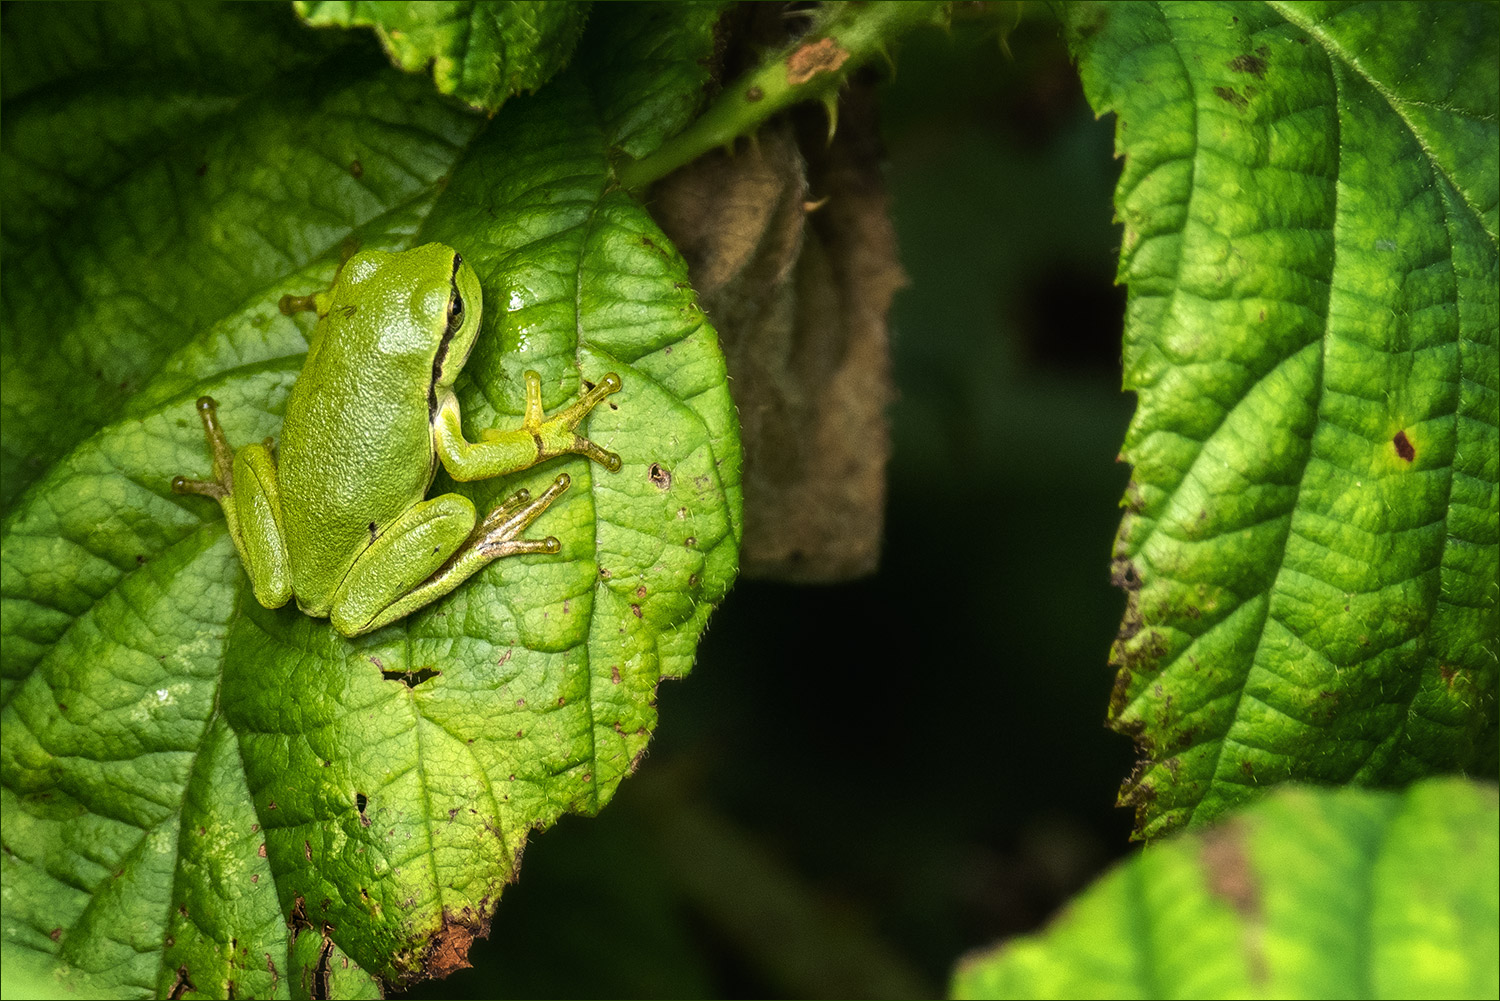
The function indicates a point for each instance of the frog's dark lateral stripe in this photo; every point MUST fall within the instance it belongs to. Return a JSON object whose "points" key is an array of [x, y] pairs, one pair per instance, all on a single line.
{"points": [[442, 350]]}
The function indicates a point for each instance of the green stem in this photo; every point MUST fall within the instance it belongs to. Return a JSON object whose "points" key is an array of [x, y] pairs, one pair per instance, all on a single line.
{"points": [[811, 67]]}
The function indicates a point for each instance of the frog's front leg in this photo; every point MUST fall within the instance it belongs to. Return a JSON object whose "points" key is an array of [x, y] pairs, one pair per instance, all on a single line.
{"points": [[539, 437], [249, 492], [430, 550]]}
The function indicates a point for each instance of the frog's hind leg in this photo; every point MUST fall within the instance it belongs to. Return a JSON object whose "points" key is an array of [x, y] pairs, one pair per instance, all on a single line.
{"points": [[378, 590]]}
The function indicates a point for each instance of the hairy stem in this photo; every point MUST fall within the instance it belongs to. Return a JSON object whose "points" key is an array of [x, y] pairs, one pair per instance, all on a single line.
{"points": [[812, 67]]}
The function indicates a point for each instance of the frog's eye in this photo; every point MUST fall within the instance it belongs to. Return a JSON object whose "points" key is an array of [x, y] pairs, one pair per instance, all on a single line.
{"points": [[455, 312]]}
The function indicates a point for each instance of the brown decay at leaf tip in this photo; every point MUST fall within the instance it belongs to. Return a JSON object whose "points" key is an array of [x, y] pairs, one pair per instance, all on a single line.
{"points": [[448, 949]]}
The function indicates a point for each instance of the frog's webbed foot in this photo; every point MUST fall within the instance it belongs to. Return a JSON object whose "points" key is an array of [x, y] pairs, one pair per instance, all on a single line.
{"points": [[498, 534], [557, 435]]}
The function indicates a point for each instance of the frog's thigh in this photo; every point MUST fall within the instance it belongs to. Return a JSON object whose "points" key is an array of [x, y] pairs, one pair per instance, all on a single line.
{"points": [[257, 506], [406, 554]]}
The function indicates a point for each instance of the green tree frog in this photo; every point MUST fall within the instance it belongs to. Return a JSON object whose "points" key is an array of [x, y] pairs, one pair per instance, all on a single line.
{"points": [[336, 516]]}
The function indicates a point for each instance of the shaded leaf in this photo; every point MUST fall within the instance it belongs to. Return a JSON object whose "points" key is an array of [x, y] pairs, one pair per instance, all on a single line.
{"points": [[650, 65], [1309, 894]]}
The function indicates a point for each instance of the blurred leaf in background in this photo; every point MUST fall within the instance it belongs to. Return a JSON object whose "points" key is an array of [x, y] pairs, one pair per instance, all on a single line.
{"points": [[1312, 893]]}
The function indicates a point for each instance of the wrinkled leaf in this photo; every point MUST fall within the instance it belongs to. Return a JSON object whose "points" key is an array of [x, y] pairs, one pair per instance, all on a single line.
{"points": [[198, 791], [131, 133], [1312, 893], [480, 51], [1311, 540]]}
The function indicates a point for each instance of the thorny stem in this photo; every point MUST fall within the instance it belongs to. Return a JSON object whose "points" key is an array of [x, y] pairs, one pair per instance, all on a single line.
{"points": [[812, 67]]}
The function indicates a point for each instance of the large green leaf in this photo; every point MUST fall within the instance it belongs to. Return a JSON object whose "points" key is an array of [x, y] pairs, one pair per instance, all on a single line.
{"points": [[480, 51], [1311, 540], [1313, 893], [185, 772]]}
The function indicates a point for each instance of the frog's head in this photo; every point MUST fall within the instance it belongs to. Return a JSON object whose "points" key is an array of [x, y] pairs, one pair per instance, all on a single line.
{"points": [[460, 318]]}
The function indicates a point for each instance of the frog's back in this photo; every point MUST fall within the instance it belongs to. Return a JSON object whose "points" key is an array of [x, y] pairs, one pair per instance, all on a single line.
{"points": [[364, 453]]}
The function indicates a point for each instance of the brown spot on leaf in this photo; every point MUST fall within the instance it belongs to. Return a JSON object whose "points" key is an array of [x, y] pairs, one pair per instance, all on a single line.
{"points": [[1404, 447], [614, 673], [1254, 65], [1232, 878], [356, 169], [660, 476], [1124, 575], [1232, 97], [807, 61], [1228, 869], [754, 94], [55, 934]]}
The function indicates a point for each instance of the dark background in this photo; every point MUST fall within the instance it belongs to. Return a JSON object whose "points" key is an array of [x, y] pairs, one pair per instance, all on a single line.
{"points": [[860, 783]]}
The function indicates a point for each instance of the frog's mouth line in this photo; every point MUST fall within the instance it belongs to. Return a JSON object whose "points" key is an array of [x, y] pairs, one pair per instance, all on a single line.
{"points": [[447, 338]]}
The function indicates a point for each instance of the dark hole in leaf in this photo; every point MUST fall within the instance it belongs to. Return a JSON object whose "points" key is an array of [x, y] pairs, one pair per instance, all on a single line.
{"points": [[411, 678], [298, 920], [182, 985], [320, 975], [660, 476], [361, 801]]}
